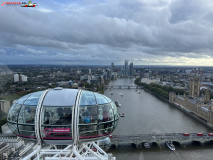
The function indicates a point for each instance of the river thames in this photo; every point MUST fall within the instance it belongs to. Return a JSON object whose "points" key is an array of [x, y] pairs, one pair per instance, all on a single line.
{"points": [[145, 113]]}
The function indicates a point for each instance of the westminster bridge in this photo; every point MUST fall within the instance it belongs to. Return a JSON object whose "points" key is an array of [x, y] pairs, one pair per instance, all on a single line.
{"points": [[160, 139], [136, 139]]}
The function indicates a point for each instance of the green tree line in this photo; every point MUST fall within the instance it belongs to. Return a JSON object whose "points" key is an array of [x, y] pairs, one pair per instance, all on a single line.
{"points": [[162, 91]]}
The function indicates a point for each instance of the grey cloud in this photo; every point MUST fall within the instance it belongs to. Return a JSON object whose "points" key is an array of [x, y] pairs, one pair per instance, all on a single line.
{"points": [[3, 51], [109, 30]]}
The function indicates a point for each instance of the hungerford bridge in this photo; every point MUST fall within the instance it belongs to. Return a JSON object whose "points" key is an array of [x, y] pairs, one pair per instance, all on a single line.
{"points": [[158, 139], [122, 86]]}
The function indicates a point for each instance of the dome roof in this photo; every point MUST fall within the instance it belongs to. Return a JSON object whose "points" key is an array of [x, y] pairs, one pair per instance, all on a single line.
{"points": [[65, 115]]}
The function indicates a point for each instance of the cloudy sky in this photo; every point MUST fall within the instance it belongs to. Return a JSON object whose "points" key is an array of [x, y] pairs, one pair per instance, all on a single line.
{"points": [[87, 32]]}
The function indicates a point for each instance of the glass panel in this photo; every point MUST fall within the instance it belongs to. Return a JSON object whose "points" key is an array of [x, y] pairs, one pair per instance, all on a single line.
{"points": [[115, 125], [64, 97], [84, 115], [100, 113], [114, 107], [34, 98], [57, 115], [27, 114], [13, 113], [27, 131], [88, 114], [105, 128], [22, 99], [105, 113], [116, 116], [87, 98], [100, 99], [56, 132], [87, 131], [13, 128], [108, 99]]}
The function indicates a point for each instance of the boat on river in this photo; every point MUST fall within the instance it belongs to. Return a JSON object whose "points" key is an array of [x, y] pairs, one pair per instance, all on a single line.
{"points": [[111, 93], [117, 104], [139, 92], [121, 94], [121, 114], [170, 145], [146, 145]]}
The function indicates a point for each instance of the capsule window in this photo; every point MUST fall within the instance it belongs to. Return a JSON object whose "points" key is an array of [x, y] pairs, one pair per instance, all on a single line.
{"points": [[27, 114], [13, 113], [27, 131]]}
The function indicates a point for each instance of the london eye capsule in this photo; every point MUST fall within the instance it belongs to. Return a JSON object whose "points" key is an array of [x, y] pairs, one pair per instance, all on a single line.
{"points": [[63, 116]]}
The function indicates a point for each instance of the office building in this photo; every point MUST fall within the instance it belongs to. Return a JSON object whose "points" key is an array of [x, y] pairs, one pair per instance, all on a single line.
{"points": [[131, 69], [16, 77], [126, 66], [142, 70], [112, 67]]}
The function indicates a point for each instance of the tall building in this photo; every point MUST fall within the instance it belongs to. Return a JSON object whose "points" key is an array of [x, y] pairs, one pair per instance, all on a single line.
{"points": [[22, 78], [207, 96], [194, 90], [16, 77], [126, 66], [90, 71], [112, 67], [4, 106], [146, 73], [142, 70], [131, 69]]}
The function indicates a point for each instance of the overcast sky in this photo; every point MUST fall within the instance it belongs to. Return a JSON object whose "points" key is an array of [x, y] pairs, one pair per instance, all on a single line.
{"points": [[145, 32]]}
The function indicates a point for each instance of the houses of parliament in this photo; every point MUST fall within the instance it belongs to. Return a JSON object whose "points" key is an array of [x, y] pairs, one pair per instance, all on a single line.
{"points": [[200, 105]]}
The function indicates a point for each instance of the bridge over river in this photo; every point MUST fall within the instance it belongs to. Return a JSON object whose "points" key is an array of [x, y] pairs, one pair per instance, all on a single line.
{"points": [[159, 139], [122, 86]]}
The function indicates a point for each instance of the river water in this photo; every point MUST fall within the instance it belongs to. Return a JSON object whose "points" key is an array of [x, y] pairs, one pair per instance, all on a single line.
{"points": [[145, 113]]}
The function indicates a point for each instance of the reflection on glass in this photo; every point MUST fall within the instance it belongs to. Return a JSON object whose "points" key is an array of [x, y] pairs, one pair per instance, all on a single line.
{"points": [[88, 114], [57, 115], [27, 131], [84, 115], [87, 98], [22, 99], [93, 110], [109, 100], [114, 109], [34, 98], [115, 125], [86, 131], [107, 113], [100, 99], [13, 128], [27, 114], [105, 128], [14, 111]]}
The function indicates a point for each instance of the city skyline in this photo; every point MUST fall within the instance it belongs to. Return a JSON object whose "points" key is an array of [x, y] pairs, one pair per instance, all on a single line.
{"points": [[166, 32]]}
